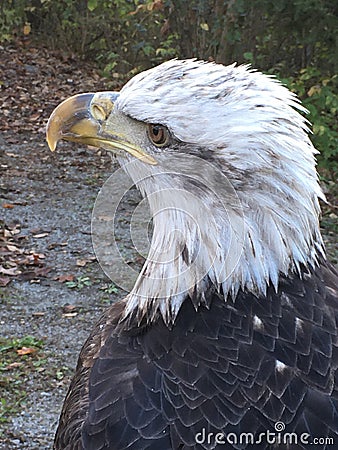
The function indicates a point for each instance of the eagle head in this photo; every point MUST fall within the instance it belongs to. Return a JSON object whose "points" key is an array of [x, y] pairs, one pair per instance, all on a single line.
{"points": [[224, 158]]}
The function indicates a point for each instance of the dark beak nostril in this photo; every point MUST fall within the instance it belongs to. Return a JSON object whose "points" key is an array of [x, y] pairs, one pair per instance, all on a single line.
{"points": [[99, 113], [102, 105]]}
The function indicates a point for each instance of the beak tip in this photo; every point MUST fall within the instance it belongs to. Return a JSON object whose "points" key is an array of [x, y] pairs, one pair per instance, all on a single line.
{"points": [[53, 132], [51, 139], [51, 145]]}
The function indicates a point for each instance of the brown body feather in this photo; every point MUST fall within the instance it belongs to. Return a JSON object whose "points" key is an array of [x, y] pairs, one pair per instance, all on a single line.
{"points": [[231, 367]]}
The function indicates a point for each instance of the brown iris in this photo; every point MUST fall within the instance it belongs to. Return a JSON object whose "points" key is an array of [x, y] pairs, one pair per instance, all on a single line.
{"points": [[158, 134]]}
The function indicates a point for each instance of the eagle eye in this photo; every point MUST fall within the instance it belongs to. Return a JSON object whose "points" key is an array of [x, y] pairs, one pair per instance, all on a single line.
{"points": [[158, 134]]}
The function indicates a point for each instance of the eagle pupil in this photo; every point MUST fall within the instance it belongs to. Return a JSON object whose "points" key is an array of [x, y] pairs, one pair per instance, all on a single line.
{"points": [[158, 134]]}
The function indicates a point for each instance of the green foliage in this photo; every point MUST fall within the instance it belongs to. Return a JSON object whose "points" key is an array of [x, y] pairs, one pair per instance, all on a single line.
{"points": [[125, 34], [15, 369], [128, 34], [79, 283], [110, 288], [16, 343], [320, 96], [12, 18]]}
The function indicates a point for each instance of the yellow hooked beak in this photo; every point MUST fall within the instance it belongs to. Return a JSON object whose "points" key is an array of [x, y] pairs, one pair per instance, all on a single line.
{"points": [[82, 118]]}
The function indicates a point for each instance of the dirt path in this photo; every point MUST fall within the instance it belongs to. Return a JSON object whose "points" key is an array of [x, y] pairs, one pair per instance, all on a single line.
{"points": [[52, 290], [49, 200]]}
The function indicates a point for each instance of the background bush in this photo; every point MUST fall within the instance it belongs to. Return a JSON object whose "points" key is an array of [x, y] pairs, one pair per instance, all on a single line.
{"points": [[294, 39]]}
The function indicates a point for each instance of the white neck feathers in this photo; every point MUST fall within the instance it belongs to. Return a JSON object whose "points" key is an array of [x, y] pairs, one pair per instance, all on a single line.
{"points": [[250, 212]]}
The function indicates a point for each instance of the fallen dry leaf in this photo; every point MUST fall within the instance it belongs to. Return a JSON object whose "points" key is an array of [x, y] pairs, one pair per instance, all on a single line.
{"points": [[36, 257], [12, 155], [74, 314], [12, 272], [13, 248], [64, 278], [38, 314], [12, 231], [84, 261], [4, 281], [25, 351], [30, 274], [34, 117], [14, 365], [69, 308], [41, 235]]}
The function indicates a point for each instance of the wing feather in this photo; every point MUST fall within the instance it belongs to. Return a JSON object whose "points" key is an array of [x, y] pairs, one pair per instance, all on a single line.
{"points": [[233, 367]]}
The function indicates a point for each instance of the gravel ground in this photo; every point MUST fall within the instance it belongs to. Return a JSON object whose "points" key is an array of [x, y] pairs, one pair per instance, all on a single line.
{"points": [[47, 200]]}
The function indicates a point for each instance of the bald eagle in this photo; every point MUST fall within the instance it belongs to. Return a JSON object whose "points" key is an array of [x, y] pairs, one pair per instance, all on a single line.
{"points": [[229, 337]]}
